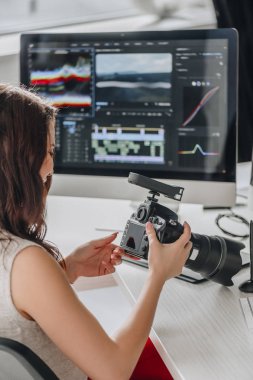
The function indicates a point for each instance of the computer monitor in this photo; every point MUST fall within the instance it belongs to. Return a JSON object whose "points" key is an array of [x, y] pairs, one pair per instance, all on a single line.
{"points": [[159, 103]]}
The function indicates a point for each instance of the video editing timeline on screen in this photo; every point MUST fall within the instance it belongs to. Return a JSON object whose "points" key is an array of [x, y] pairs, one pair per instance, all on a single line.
{"points": [[137, 144], [128, 103]]}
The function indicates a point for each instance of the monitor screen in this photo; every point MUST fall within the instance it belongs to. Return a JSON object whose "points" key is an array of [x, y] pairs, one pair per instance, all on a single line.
{"points": [[162, 104]]}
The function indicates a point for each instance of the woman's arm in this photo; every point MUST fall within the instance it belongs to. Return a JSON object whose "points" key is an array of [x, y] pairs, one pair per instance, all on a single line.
{"points": [[41, 290], [165, 261]]}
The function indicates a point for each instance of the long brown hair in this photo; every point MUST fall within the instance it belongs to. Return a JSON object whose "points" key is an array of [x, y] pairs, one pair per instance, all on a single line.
{"points": [[24, 128]]}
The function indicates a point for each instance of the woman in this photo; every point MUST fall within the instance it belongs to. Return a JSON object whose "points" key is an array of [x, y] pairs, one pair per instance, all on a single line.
{"points": [[38, 306]]}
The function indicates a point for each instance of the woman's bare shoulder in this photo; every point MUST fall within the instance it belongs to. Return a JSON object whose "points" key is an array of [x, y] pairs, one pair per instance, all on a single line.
{"points": [[35, 273]]}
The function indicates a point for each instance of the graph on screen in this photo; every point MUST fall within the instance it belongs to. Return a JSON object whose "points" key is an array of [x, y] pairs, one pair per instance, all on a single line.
{"points": [[198, 152], [204, 112]]}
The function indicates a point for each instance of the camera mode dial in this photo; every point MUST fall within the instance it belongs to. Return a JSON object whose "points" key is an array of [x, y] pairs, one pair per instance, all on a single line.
{"points": [[141, 213]]}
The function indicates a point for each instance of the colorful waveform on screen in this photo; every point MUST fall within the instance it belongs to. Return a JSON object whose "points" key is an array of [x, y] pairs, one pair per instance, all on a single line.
{"points": [[196, 148], [61, 75], [65, 86], [200, 105]]}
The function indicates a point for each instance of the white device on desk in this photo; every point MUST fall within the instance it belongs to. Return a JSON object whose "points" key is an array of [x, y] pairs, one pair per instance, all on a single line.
{"points": [[250, 193], [247, 286]]}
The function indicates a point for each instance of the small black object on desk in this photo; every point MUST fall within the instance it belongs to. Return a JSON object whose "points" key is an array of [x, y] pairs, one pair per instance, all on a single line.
{"points": [[247, 286]]}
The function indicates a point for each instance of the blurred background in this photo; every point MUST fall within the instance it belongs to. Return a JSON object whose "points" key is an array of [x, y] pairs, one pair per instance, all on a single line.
{"points": [[17, 16]]}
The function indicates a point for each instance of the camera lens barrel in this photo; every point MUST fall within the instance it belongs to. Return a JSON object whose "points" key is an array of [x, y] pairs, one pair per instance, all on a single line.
{"points": [[215, 258]]}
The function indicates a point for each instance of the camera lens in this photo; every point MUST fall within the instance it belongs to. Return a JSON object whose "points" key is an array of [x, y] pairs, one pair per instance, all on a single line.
{"points": [[215, 258]]}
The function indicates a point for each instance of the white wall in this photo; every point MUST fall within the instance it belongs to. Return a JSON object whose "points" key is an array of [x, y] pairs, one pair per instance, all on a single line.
{"points": [[9, 69]]}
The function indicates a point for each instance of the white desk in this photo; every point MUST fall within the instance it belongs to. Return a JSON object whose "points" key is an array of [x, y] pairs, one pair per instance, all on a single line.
{"points": [[199, 330]]}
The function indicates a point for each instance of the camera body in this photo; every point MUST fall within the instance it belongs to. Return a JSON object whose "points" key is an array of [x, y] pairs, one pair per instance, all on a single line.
{"points": [[165, 221]]}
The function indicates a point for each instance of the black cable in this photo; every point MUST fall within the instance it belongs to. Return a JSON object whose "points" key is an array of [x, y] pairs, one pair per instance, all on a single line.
{"points": [[232, 215]]}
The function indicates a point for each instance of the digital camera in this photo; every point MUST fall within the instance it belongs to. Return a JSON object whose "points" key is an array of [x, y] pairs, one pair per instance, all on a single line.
{"points": [[214, 257]]}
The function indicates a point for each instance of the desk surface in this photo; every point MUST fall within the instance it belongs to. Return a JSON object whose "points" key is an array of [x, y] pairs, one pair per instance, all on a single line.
{"points": [[199, 330]]}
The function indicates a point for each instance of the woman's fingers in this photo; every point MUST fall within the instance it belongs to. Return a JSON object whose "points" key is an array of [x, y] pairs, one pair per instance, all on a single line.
{"points": [[99, 243], [186, 235], [151, 232], [106, 268]]}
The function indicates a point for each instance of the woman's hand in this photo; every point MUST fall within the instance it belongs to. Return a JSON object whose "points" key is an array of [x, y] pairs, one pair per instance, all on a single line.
{"points": [[167, 260], [95, 258]]}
